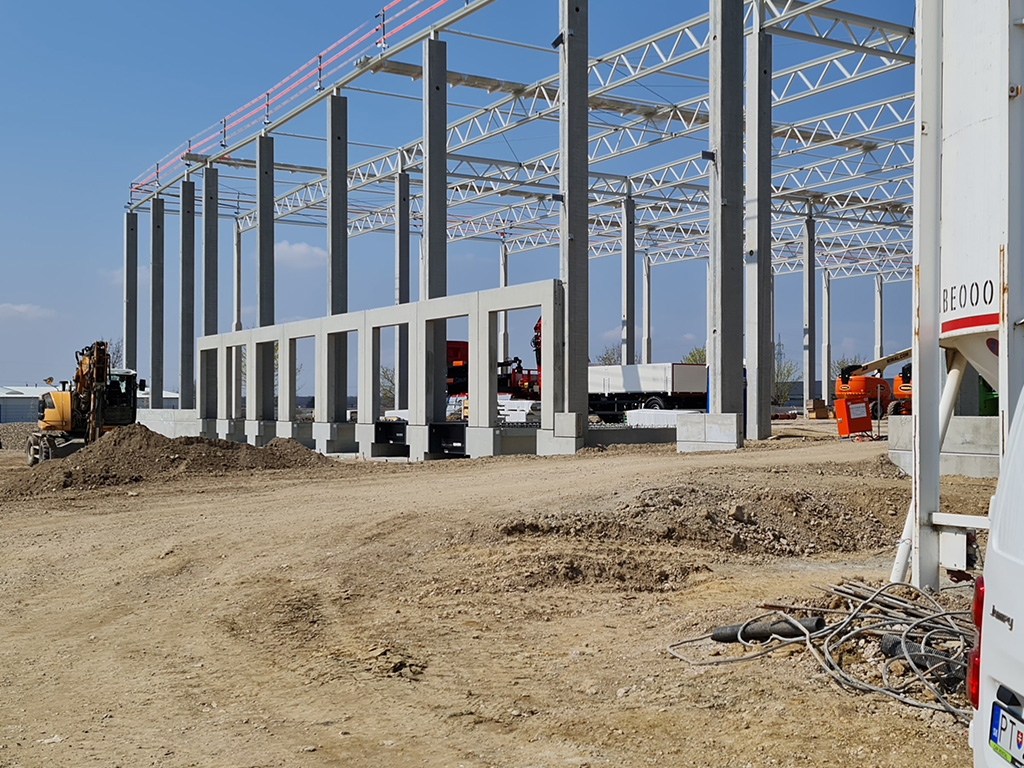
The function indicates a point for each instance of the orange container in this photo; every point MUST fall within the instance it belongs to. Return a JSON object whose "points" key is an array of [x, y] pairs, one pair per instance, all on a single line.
{"points": [[853, 415]]}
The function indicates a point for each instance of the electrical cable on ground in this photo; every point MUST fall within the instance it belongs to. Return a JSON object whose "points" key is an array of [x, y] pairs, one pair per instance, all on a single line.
{"points": [[920, 641]]}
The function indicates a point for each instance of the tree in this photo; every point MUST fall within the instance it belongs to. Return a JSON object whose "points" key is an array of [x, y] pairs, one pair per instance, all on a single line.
{"points": [[612, 355], [787, 373], [697, 356], [842, 362], [115, 351], [387, 387]]}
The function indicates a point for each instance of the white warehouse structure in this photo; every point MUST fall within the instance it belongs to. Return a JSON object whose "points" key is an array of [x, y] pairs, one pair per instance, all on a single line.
{"points": [[651, 182]]}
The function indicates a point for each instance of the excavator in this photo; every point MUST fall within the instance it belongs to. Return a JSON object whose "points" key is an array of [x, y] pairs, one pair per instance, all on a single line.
{"points": [[855, 381], [98, 400]]}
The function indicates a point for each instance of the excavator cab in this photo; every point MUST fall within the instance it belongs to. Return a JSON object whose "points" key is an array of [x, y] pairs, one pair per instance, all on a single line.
{"points": [[120, 405]]}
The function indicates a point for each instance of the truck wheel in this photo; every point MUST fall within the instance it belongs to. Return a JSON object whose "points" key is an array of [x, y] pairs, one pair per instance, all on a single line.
{"points": [[895, 408], [655, 404], [32, 450], [876, 410]]}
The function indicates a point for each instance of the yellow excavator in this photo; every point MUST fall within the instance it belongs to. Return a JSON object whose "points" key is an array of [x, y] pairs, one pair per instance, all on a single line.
{"points": [[98, 400]]}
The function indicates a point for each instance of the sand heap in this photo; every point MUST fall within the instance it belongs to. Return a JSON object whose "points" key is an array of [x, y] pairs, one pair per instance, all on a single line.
{"points": [[135, 454]]}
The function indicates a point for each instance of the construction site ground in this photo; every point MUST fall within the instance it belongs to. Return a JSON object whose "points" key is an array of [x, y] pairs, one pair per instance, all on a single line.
{"points": [[190, 603]]}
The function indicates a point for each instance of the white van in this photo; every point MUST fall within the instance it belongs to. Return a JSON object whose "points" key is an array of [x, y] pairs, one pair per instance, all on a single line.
{"points": [[995, 678]]}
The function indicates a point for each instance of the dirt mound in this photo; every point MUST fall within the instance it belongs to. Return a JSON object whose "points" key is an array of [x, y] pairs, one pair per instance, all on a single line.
{"points": [[134, 454], [776, 521], [14, 434]]}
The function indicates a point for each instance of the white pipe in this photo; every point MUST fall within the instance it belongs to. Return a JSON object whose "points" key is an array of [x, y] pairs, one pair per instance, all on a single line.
{"points": [[954, 377]]}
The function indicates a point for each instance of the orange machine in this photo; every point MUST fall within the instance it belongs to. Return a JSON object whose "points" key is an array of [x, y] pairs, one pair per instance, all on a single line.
{"points": [[902, 392], [854, 382], [873, 390]]}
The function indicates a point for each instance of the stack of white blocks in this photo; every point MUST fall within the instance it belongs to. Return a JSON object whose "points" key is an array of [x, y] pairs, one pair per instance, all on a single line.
{"points": [[709, 432]]}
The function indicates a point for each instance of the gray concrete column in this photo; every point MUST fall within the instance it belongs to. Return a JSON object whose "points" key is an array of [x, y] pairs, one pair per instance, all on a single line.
{"points": [[265, 270], [879, 328], [236, 273], [810, 313], [503, 316], [725, 267], [187, 281], [628, 351], [402, 267], [156, 305], [435, 218], [645, 346], [757, 266], [265, 230], [234, 382], [210, 222], [827, 380], [131, 290], [574, 267], [337, 239], [337, 205]]}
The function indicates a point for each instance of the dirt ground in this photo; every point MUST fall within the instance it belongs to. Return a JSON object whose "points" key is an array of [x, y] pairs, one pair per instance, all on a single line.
{"points": [[170, 605]]}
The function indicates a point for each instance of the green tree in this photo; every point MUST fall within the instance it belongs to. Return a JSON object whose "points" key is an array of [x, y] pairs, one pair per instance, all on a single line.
{"points": [[697, 355]]}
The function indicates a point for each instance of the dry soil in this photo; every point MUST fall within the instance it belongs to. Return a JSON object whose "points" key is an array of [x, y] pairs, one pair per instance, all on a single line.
{"points": [[187, 603]]}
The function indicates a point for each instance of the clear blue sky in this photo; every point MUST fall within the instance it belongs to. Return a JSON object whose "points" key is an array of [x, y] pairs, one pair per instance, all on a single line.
{"points": [[95, 93]]}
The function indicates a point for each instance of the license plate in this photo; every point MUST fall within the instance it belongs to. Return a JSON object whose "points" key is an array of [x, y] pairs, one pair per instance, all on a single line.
{"points": [[1006, 736]]}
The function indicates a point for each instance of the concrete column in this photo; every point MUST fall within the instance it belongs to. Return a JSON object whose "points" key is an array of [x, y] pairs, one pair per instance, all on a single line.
{"points": [[286, 380], [927, 214], [337, 240], [402, 288], [435, 218], [483, 357], [757, 267], [645, 346], [725, 268], [810, 313], [187, 280], [156, 305], [879, 328], [210, 222], [368, 386], [503, 316], [337, 205], [628, 354], [265, 269], [234, 382], [827, 379], [574, 267], [265, 230], [131, 290]]}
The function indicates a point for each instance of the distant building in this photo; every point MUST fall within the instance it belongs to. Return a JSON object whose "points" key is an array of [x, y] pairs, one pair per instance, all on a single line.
{"points": [[19, 404]]}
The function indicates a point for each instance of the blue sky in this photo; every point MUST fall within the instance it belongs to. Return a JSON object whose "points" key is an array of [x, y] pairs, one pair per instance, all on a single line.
{"points": [[95, 93]]}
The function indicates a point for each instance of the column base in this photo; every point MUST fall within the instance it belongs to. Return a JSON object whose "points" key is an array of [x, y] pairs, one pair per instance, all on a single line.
{"points": [[299, 431], [259, 433], [336, 437], [230, 429]]}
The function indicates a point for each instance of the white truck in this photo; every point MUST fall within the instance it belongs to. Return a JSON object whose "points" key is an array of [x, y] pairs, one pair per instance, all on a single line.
{"points": [[615, 389], [995, 676]]}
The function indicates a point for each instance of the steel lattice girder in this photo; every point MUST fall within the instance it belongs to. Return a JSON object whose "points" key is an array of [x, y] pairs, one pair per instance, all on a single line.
{"points": [[875, 138]]}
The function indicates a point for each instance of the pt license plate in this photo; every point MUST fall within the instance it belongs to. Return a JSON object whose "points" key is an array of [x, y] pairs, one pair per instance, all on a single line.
{"points": [[1006, 736]]}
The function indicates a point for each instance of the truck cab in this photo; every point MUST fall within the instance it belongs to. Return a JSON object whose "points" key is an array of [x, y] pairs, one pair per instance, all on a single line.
{"points": [[995, 679]]}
